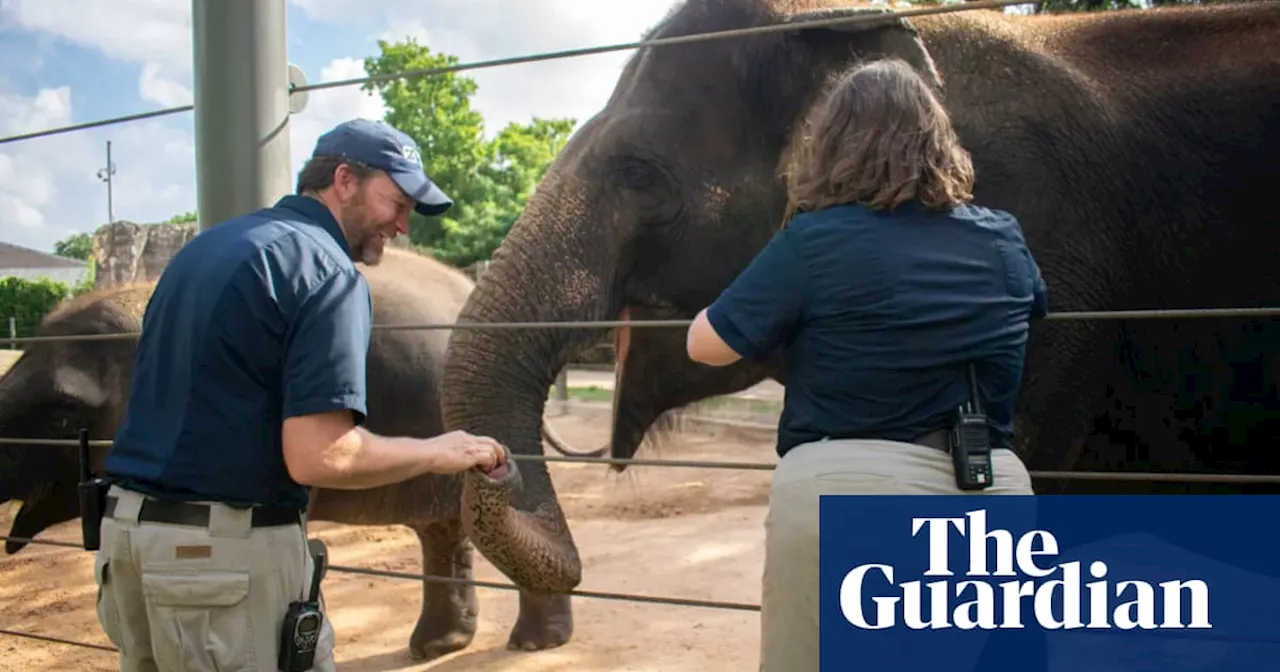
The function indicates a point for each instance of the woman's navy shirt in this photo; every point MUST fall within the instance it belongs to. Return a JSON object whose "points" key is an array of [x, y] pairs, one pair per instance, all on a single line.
{"points": [[879, 315]]}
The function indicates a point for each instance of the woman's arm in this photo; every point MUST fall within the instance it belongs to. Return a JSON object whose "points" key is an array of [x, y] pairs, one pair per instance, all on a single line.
{"points": [[705, 346]]}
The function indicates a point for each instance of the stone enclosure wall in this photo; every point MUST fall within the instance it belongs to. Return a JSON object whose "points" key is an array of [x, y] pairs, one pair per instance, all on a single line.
{"points": [[131, 252]]}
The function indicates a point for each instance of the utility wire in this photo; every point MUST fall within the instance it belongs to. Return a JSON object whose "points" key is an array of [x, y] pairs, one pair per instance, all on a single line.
{"points": [[845, 20], [56, 640], [1133, 476], [429, 578], [566, 53], [1153, 314], [95, 124]]}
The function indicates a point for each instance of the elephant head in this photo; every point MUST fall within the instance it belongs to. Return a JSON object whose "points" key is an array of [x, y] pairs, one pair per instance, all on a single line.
{"points": [[52, 391], [652, 207]]}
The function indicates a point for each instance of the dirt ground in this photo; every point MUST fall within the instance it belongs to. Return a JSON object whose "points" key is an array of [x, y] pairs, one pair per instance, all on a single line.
{"points": [[661, 531]]}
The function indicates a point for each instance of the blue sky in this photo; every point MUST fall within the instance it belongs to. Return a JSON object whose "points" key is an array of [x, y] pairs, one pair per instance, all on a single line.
{"points": [[69, 61]]}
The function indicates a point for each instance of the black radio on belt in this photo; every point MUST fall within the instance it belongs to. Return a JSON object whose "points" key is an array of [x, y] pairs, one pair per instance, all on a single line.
{"points": [[301, 630], [93, 497], [970, 441]]}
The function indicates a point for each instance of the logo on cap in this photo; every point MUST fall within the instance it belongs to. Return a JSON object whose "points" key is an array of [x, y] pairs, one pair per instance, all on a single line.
{"points": [[411, 153]]}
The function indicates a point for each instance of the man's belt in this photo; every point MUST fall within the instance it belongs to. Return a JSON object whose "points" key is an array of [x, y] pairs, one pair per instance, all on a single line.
{"points": [[940, 440], [197, 515], [937, 440]]}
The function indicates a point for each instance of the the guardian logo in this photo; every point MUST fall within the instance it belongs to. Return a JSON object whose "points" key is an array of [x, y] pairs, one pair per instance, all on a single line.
{"points": [[1053, 603]]}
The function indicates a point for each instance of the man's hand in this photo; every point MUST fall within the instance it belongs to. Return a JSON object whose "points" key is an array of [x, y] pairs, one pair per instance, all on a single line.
{"points": [[459, 451]]}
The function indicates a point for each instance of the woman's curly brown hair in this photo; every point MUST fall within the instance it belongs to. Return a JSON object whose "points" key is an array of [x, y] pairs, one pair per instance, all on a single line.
{"points": [[878, 136]]}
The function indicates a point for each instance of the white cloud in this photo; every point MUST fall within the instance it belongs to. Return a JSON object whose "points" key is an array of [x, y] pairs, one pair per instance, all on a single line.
{"points": [[49, 187], [475, 30], [155, 34], [155, 86]]}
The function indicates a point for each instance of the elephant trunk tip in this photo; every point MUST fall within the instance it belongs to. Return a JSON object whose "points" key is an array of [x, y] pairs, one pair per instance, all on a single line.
{"points": [[533, 549]]}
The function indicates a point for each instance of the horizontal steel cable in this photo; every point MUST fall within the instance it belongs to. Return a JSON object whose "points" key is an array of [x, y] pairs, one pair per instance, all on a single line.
{"points": [[56, 640], [1137, 476], [429, 578], [553, 55], [95, 124], [1151, 314], [44, 542], [668, 41], [596, 594]]}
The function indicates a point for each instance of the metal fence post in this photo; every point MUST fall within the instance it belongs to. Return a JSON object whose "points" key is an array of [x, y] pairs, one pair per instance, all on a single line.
{"points": [[241, 106]]}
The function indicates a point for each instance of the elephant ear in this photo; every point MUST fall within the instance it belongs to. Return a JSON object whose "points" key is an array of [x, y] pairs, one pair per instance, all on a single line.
{"points": [[782, 79], [76, 384]]}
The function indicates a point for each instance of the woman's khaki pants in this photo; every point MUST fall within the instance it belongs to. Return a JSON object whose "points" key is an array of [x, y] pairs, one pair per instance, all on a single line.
{"points": [[789, 613]]}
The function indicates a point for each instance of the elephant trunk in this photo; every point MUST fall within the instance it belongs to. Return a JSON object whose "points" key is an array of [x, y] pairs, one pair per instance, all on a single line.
{"points": [[496, 383]]}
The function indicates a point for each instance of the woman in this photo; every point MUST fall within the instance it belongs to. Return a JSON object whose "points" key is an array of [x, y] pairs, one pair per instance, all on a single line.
{"points": [[882, 290]]}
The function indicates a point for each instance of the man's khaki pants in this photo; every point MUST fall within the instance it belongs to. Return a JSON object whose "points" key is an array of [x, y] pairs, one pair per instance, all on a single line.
{"points": [[789, 599], [192, 599]]}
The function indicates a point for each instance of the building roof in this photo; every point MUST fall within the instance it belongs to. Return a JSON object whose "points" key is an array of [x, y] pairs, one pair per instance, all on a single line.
{"points": [[16, 256]]}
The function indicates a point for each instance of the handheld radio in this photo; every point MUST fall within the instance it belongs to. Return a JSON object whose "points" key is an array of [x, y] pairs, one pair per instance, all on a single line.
{"points": [[302, 623], [93, 498], [971, 442]]}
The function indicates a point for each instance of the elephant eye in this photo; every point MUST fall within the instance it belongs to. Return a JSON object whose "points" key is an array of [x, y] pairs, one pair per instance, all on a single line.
{"points": [[636, 175]]}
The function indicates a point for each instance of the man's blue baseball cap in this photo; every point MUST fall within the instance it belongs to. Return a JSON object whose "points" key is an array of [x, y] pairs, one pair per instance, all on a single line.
{"points": [[381, 145]]}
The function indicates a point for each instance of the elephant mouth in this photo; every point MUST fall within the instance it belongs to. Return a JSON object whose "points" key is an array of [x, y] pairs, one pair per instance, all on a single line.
{"points": [[27, 516], [636, 406], [17, 508]]}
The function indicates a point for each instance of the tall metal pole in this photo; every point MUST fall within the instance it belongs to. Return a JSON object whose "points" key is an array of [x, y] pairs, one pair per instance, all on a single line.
{"points": [[105, 174], [241, 106]]}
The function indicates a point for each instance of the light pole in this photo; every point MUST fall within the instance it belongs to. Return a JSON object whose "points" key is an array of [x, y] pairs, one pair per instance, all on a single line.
{"points": [[105, 174]]}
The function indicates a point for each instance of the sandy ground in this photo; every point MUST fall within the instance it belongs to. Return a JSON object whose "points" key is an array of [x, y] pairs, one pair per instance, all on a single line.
{"points": [[676, 532]]}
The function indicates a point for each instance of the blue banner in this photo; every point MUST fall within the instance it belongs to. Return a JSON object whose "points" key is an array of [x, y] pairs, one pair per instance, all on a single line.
{"points": [[1158, 583]]}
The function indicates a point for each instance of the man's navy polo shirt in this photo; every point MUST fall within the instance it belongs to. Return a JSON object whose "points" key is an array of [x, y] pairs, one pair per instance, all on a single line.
{"points": [[257, 319], [879, 315]]}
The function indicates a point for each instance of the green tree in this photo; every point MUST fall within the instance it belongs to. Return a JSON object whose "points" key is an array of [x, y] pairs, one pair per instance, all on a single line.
{"points": [[188, 217], [26, 302], [489, 180], [75, 246]]}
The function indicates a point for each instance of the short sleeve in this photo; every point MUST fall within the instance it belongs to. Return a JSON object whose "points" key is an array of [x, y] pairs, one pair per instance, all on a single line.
{"points": [[1018, 254], [1039, 292], [758, 310], [327, 348]]}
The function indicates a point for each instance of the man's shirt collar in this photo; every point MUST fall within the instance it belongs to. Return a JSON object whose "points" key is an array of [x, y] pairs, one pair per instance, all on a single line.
{"points": [[317, 212]]}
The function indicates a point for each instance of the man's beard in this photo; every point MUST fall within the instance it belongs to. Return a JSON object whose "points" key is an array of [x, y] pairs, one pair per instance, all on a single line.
{"points": [[368, 251], [368, 246]]}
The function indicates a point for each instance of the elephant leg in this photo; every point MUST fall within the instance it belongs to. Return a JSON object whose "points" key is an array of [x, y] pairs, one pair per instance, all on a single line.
{"points": [[545, 622], [448, 619]]}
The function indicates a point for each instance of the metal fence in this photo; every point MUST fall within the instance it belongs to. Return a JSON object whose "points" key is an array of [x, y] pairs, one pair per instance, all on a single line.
{"points": [[1083, 315]]}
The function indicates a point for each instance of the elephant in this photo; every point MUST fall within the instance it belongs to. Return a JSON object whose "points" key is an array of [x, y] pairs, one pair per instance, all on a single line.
{"points": [[1136, 148], [55, 388]]}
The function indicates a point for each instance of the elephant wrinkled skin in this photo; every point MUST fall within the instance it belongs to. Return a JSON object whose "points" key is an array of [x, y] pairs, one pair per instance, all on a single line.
{"points": [[57, 387], [1137, 148]]}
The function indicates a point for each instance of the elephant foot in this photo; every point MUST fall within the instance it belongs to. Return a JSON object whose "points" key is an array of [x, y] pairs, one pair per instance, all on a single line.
{"points": [[449, 610], [429, 643], [545, 622]]}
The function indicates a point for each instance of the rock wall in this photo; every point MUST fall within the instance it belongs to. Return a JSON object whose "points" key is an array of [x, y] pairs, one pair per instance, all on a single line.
{"points": [[130, 252]]}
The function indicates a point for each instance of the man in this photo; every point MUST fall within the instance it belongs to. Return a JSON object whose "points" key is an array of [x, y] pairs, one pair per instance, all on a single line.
{"points": [[248, 388]]}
